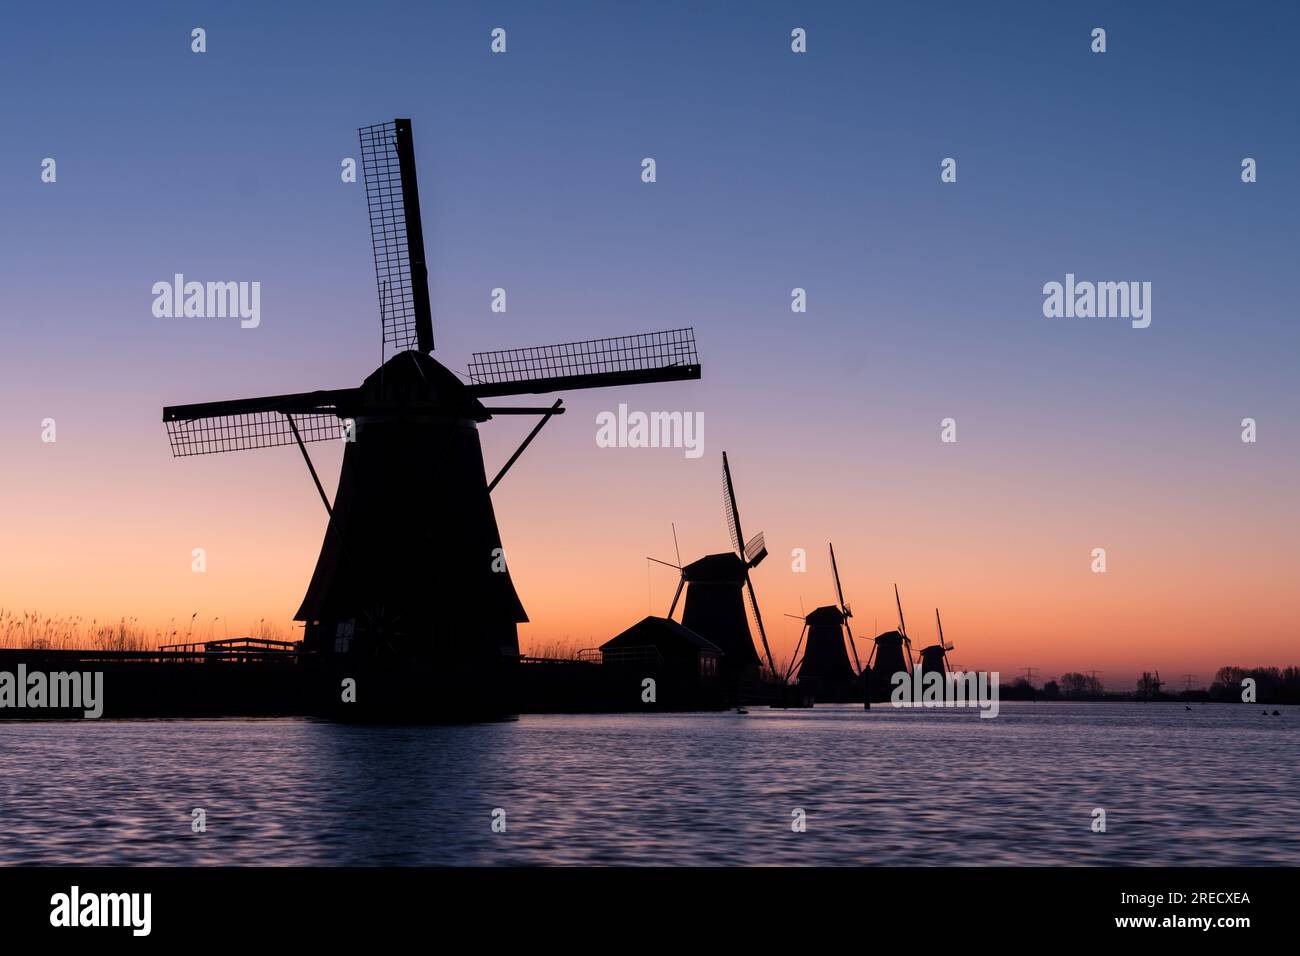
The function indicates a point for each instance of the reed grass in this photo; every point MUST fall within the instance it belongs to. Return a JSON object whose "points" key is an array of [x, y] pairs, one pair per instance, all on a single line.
{"points": [[28, 630], [565, 650]]}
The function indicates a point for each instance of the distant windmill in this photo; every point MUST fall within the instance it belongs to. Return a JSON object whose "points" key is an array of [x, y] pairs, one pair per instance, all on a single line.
{"points": [[1148, 686], [412, 557], [824, 669], [935, 657], [887, 657], [714, 607]]}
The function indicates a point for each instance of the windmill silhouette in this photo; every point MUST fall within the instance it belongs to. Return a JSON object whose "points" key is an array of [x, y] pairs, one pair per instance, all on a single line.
{"points": [[824, 670], [935, 656], [887, 658], [714, 607], [1149, 686], [412, 559]]}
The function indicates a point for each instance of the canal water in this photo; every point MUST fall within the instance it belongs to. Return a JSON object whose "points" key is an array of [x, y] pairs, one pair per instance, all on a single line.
{"points": [[1216, 784]]}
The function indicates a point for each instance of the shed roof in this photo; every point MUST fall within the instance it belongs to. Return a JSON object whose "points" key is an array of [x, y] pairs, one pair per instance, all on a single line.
{"points": [[659, 630]]}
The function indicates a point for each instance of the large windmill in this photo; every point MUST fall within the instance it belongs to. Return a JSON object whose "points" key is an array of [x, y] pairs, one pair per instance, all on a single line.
{"points": [[887, 658], [824, 669], [412, 558], [714, 607]]}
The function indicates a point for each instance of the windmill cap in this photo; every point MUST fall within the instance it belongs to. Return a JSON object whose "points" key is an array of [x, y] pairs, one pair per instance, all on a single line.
{"points": [[828, 614], [415, 378], [716, 567], [889, 637]]}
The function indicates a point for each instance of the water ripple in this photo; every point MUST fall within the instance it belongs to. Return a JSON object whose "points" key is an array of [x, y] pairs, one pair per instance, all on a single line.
{"points": [[1214, 785]]}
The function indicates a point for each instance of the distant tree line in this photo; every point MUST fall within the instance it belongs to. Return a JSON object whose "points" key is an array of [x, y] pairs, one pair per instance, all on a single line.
{"points": [[1273, 685], [1076, 686]]}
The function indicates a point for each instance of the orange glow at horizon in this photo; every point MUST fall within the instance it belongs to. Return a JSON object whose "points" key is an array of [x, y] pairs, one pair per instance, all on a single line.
{"points": [[107, 528]]}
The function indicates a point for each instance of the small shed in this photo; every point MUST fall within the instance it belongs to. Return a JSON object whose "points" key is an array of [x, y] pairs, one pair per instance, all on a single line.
{"points": [[662, 643]]}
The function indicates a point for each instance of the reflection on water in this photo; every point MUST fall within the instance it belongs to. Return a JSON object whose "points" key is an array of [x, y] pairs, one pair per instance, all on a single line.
{"points": [[1213, 785]]}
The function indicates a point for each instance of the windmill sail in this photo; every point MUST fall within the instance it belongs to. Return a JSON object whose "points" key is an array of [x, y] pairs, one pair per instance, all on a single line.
{"points": [[397, 235], [666, 356], [752, 603], [211, 427], [744, 554], [729, 508], [758, 620], [845, 612], [902, 625], [947, 645]]}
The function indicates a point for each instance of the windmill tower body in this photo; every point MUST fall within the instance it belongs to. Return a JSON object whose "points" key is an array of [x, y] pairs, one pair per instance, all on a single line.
{"points": [[934, 658], [714, 608], [888, 659], [826, 671], [933, 661], [412, 557]]}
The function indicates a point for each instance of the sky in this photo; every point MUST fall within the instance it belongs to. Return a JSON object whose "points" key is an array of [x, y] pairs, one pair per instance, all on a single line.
{"points": [[775, 171]]}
